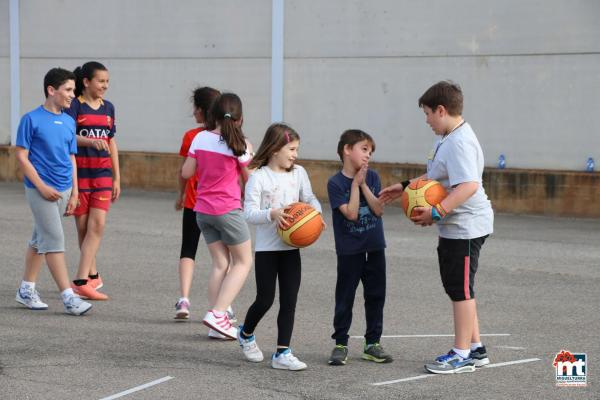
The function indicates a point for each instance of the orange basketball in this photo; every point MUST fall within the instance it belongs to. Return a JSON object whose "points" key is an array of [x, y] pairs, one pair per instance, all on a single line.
{"points": [[422, 193], [304, 225]]}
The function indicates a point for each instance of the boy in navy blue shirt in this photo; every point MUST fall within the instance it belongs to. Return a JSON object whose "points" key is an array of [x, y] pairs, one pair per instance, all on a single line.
{"points": [[359, 245]]}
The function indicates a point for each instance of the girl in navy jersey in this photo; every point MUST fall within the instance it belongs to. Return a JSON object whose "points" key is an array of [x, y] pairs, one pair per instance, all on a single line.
{"points": [[275, 184], [97, 170]]}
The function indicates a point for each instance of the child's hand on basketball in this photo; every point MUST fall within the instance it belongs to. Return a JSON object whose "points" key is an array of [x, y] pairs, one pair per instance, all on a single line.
{"points": [[422, 216], [391, 193], [280, 216]]}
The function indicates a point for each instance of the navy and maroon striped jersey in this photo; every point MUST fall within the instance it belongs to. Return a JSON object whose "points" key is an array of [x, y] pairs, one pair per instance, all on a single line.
{"points": [[94, 167]]}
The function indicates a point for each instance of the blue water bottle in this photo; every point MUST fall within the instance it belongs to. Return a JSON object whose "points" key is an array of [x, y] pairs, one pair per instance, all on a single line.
{"points": [[590, 165], [501, 161]]}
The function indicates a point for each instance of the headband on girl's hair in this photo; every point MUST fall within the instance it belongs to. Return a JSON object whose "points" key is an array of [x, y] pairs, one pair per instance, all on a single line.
{"points": [[287, 136], [227, 115]]}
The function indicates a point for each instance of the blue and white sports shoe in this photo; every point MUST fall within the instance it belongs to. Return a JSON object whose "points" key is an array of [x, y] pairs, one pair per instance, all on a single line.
{"points": [[451, 363], [30, 298], [249, 347], [75, 306], [287, 360]]}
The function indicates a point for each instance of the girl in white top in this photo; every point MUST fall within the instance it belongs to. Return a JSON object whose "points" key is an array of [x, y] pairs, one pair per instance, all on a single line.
{"points": [[275, 184]]}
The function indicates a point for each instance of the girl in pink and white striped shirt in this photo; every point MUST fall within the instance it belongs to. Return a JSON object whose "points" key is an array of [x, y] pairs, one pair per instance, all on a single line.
{"points": [[219, 157]]}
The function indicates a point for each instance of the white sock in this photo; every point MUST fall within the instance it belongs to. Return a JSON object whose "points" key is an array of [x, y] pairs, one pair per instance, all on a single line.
{"points": [[184, 298], [27, 285], [218, 314], [475, 346], [461, 352], [65, 294]]}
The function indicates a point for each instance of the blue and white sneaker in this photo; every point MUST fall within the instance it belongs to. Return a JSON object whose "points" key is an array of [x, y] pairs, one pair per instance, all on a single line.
{"points": [[75, 306], [451, 363], [479, 356], [287, 360], [249, 347], [30, 298]]}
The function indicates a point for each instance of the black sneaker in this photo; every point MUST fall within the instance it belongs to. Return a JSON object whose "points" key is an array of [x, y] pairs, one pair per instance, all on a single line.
{"points": [[374, 352], [339, 355], [479, 356]]}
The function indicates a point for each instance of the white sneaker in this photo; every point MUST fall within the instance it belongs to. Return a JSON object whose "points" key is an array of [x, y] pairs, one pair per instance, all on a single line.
{"points": [[217, 336], [30, 298], [287, 360], [75, 306], [231, 315], [249, 347], [220, 324]]}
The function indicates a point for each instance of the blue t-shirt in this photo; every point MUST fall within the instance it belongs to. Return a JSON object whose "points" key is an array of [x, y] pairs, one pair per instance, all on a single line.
{"points": [[361, 236], [50, 139]]}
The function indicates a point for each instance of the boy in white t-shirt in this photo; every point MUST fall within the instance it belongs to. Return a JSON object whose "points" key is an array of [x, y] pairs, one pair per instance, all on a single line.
{"points": [[464, 219]]}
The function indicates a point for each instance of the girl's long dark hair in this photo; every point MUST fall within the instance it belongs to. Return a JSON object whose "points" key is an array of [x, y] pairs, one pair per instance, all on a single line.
{"points": [[203, 98], [225, 112], [87, 71]]}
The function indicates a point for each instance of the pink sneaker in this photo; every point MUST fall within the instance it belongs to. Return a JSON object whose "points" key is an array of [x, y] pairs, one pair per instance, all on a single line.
{"points": [[96, 283], [220, 324]]}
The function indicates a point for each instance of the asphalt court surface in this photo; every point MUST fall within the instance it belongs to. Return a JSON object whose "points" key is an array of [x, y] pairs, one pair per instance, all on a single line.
{"points": [[537, 290]]}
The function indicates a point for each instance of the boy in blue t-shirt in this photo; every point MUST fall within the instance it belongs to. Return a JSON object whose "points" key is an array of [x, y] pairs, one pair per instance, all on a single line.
{"points": [[464, 220], [46, 148], [359, 244]]}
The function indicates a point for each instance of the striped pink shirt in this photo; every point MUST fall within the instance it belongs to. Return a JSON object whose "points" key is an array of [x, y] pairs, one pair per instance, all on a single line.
{"points": [[218, 171]]}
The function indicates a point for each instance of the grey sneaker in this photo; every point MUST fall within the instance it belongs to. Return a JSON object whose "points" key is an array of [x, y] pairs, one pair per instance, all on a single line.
{"points": [[374, 352], [339, 355], [479, 356], [75, 306], [451, 363], [30, 298]]}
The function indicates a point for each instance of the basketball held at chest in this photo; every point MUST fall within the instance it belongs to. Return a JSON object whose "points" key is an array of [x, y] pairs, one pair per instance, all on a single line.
{"points": [[422, 193], [305, 225]]}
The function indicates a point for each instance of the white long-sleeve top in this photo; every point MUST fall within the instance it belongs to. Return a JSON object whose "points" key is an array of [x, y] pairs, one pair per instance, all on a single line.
{"points": [[267, 189]]}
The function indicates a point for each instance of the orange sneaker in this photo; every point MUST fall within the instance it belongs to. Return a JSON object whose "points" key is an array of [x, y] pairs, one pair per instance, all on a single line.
{"points": [[96, 283], [88, 292]]}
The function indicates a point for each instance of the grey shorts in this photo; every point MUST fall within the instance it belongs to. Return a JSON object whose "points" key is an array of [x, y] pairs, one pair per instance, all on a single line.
{"points": [[230, 228], [48, 235]]}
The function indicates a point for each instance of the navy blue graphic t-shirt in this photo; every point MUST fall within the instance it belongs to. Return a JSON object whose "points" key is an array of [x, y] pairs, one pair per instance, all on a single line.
{"points": [[366, 234]]}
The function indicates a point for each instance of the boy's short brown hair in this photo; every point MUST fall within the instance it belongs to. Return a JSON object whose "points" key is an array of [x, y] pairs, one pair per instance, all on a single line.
{"points": [[351, 137], [444, 93]]}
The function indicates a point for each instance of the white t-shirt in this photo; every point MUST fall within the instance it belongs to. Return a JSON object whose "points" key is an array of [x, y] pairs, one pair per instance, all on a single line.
{"points": [[267, 189], [456, 159]]}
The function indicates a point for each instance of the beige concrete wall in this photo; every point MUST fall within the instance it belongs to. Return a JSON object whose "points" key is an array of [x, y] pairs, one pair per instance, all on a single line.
{"points": [[516, 191]]}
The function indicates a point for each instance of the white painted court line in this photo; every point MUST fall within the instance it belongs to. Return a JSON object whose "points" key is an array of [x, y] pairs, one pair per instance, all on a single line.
{"points": [[138, 388], [425, 336], [414, 378], [509, 347]]}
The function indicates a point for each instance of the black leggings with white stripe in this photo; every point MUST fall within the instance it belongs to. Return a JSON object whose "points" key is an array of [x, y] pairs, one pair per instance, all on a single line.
{"points": [[271, 266]]}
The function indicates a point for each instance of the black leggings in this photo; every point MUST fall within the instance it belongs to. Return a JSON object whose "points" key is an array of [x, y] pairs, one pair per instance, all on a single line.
{"points": [[270, 265], [190, 234]]}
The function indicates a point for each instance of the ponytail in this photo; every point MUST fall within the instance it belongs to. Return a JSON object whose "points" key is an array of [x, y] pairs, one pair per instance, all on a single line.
{"points": [[225, 112]]}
